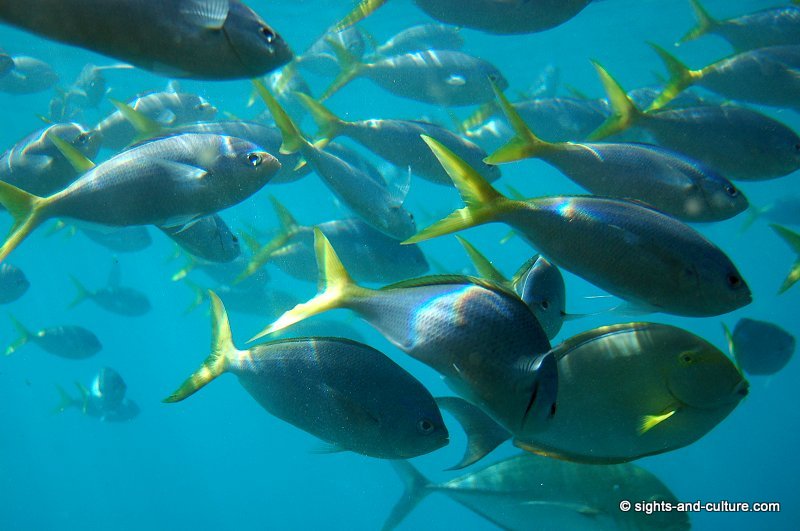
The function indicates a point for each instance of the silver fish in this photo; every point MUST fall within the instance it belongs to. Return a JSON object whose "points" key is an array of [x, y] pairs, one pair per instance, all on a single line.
{"points": [[13, 283], [29, 75], [114, 297], [760, 347], [71, 342]]}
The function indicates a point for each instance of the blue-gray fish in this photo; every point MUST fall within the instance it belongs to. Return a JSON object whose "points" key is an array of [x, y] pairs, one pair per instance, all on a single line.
{"points": [[399, 142], [203, 39], [120, 239], [167, 182], [523, 489], [208, 238], [483, 339], [760, 347], [664, 179], [254, 299], [35, 164], [29, 75], [346, 393], [13, 283], [114, 297], [320, 59], [71, 342], [86, 92], [636, 389], [441, 77], [104, 399], [737, 142], [169, 109], [375, 202], [420, 38], [650, 259], [368, 254], [768, 27]]}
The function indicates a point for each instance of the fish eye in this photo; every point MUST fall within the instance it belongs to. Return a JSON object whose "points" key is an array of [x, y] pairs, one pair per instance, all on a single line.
{"points": [[268, 34], [254, 159], [734, 281], [425, 426], [545, 304], [493, 77], [82, 138], [553, 410], [202, 106], [235, 239], [687, 358], [732, 191], [797, 147]]}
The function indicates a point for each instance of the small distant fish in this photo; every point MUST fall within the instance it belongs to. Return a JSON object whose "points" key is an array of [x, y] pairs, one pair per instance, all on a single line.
{"points": [[770, 27], [208, 238], [760, 348], [86, 92], [13, 283], [521, 489], [29, 75], [202, 39], [652, 246], [105, 398], [783, 210], [71, 342], [113, 297], [320, 59], [420, 38], [546, 83], [258, 299], [440, 77], [169, 109], [483, 339], [349, 395], [177, 179]]}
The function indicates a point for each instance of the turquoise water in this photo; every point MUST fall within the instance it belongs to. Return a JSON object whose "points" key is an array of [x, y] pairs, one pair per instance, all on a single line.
{"points": [[217, 460]]}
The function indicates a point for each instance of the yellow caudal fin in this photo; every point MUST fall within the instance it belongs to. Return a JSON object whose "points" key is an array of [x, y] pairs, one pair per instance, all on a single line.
{"points": [[364, 9], [336, 288], [648, 422], [81, 295], [222, 351], [65, 401], [479, 117], [262, 254], [24, 336], [482, 264], [680, 78], [525, 143], [704, 23], [483, 203], [623, 111], [28, 212], [293, 140], [792, 239], [145, 126], [349, 68], [732, 349], [329, 124]]}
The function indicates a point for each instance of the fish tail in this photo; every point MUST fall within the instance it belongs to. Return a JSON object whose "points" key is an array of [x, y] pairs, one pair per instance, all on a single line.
{"points": [[83, 401], [329, 124], [336, 288], [416, 486], [27, 211], [64, 401], [262, 254], [623, 111], [732, 349], [793, 240], [82, 294], [483, 203], [145, 126], [480, 116], [483, 266], [680, 78], [753, 213], [199, 296], [483, 433], [364, 9], [222, 351], [24, 336], [293, 140], [350, 67], [705, 23], [525, 143]]}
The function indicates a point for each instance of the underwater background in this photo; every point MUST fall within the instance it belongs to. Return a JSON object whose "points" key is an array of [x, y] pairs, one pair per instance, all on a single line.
{"points": [[218, 461]]}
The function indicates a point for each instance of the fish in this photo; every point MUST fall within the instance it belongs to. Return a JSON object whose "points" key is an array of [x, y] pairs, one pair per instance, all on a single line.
{"points": [[208, 238], [348, 394], [399, 142], [546, 83], [28, 76], [636, 389], [768, 27], [783, 210], [13, 283], [200, 174], [737, 142], [368, 254], [113, 297], [199, 39], [663, 179], [35, 164], [68, 341], [448, 78], [258, 300], [766, 76], [120, 239], [491, 16], [420, 38], [483, 433], [521, 489], [760, 347], [86, 92], [538, 283], [105, 398], [168, 109], [376, 203], [320, 59], [484, 340], [792, 239], [649, 259]]}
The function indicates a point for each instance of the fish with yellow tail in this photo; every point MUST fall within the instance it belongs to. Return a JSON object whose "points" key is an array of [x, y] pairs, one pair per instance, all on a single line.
{"points": [[649, 259]]}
